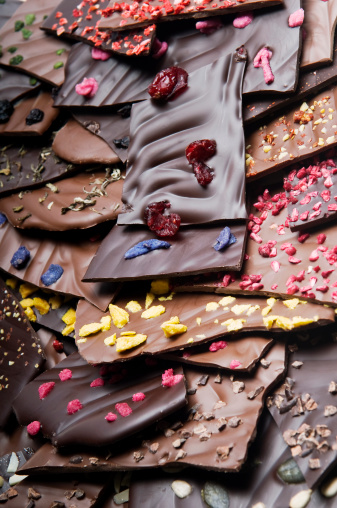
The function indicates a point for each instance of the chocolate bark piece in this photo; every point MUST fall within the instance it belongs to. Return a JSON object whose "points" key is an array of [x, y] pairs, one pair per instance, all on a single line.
{"points": [[312, 197], [21, 356], [309, 428], [79, 201], [139, 15], [52, 356], [246, 351], [17, 124], [206, 316], [78, 21], [18, 458], [284, 141], [14, 85], [78, 145], [8, 7], [72, 251], [115, 393], [109, 263], [190, 49], [319, 25], [158, 168], [22, 48]]}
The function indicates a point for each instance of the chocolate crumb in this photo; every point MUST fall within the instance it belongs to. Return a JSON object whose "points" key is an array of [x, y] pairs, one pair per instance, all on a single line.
{"points": [[203, 380], [221, 423], [314, 463], [218, 379], [234, 422], [76, 459], [33, 494], [254, 393], [138, 456], [333, 387], [238, 386]]}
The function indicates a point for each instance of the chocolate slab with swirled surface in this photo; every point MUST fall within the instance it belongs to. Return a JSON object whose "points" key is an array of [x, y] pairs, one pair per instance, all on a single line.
{"points": [[190, 49], [77, 202], [207, 317], [158, 169], [14, 85], [72, 251], [101, 392], [21, 354]]}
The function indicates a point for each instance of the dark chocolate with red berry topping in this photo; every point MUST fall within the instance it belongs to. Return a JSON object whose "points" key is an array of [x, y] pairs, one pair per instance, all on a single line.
{"points": [[158, 169], [21, 354], [77, 403]]}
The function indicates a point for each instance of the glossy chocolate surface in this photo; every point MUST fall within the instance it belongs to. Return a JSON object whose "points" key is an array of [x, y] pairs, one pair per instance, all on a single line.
{"points": [[15, 85]]}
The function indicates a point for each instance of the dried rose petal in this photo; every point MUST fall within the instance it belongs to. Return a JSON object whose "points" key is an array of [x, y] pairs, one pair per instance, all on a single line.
{"points": [[88, 87], [244, 20]]}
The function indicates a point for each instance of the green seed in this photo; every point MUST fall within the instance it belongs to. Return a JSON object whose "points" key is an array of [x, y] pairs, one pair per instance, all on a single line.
{"points": [[26, 33], [58, 65], [32, 81], [18, 25], [60, 51], [215, 496], [2, 1], [30, 18], [16, 60], [289, 472], [12, 49]]}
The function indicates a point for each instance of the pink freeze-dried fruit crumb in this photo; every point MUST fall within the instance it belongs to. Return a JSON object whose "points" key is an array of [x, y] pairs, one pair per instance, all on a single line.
{"points": [[99, 54], [97, 382], [137, 397], [275, 266], [74, 406], [235, 364], [111, 417], [216, 346], [65, 374], [243, 21], [34, 428], [45, 389], [209, 26], [88, 87], [123, 408], [169, 379], [262, 60], [158, 48], [296, 18]]}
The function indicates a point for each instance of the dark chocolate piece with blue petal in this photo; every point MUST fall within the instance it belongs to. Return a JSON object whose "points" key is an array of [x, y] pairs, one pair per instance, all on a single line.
{"points": [[225, 239]]}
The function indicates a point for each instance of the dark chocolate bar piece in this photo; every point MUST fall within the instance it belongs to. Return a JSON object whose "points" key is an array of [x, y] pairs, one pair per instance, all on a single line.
{"points": [[14, 85]]}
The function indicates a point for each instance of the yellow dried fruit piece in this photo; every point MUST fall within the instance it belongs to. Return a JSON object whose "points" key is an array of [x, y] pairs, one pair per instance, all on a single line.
{"points": [[292, 303], [128, 334], [69, 318], [166, 298], [27, 289], [300, 321], [198, 320], [111, 340], [41, 305], [90, 329], [252, 309], [124, 343], [106, 323], [11, 283], [119, 316], [173, 327], [149, 299], [279, 321], [212, 306], [55, 301], [160, 286], [271, 301], [233, 324], [153, 312], [67, 330], [226, 300], [30, 314], [81, 341], [133, 306], [26, 302], [265, 311], [240, 309]]}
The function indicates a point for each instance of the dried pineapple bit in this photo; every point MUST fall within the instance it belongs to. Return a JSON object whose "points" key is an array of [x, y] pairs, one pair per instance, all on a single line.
{"points": [[271, 301], [240, 309], [106, 323], [291, 304], [212, 306], [227, 300], [119, 316], [27, 302], [149, 299], [41, 305], [233, 324], [252, 309], [160, 286], [133, 306], [166, 298], [198, 320], [90, 329], [81, 341], [55, 301], [300, 321], [265, 311], [153, 312], [67, 330], [11, 283], [69, 318], [124, 343], [30, 314], [173, 327], [111, 340], [279, 321], [128, 334], [27, 289]]}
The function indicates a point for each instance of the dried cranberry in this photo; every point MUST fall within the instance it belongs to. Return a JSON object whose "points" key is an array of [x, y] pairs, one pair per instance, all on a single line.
{"points": [[168, 83], [6, 110], [201, 150], [203, 173], [34, 116], [162, 225], [58, 346]]}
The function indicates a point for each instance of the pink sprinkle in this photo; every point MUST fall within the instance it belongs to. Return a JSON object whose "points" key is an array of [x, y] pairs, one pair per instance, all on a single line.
{"points": [[262, 60], [280, 230], [34, 428], [169, 379], [328, 182], [45, 389], [209, 26], [332, 207], [87, 88], [137, 397], [158, 48], [123, 408], [243, 21], [296, 18], [274, 287], [111, 417], [292, 289], [65, 374], [99, 54], [215, 346], [97, 382], [275, 265], [235, 364], [74, 406]]}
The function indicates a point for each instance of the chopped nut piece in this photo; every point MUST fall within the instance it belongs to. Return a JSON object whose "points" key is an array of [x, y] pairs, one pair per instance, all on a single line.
{"points": [[330, 410], [297, 365], [234, 422], [180, 455], [219, 404], [238, 386], [224, 451], [333, 387], [314, 463], [33, 494], [221, 423], [138, 456], [203, 380], [254, 393]]}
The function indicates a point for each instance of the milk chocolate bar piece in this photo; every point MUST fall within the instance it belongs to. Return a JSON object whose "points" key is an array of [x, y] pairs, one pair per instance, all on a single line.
{"points": [[8, 7], [14, 85], [24, 122], [115, 18], [72, 251], [21, 354], [289, 138], [111, 404], [208, 317], [23, 47], [76, 202], [158, 168]]}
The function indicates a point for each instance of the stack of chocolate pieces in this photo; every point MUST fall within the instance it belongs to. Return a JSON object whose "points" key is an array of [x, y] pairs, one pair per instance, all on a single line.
{"points": [[167, 254]]}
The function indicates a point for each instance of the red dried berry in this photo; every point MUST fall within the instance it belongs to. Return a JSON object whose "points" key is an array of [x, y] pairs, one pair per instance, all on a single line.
{"points": [[203, 173], [34, 428], [169, 379], [45, 389], [200, 150], [162, 225], [216, 346], [168, 83], [73, 406], [123, 408], [58, 346], [65, 374]]}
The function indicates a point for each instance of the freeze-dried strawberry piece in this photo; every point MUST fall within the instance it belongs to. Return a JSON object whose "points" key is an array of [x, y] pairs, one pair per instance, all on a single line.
{"points": [[111, 417], [123, 408], [314, 255], [294, 260], [45, 389], [275, 266], [326, 273], [321, 238], [97, 382], [74, 406], [296, 18], [304, 215], [65, 374], [216, 346], [292, 289], [323, 288], [326, 195], [303, 238], [235, 364], [300, 276], [162, 225], [34, 428], [138, 397], [169, 379], [168, 83]]}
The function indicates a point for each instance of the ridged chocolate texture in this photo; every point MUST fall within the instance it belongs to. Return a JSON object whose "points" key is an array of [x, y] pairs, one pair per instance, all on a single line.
{"points": [[14, 85], [158, 169], [190, 49], [88, 425], [8, 7]]}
